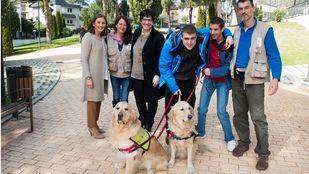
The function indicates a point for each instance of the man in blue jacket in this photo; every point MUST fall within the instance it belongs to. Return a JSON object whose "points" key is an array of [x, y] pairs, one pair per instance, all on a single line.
{"points": [[182, 58], [217, 77]]}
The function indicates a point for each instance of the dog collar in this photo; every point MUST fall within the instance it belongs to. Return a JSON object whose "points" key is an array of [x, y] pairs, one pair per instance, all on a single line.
{"points": [[172, 135], [129, 149]]}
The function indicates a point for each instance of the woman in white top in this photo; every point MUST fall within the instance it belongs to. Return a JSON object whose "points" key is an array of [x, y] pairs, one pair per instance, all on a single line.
{"points": [[119, 61]]}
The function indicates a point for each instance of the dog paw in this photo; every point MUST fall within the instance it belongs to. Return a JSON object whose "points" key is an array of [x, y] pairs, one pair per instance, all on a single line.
{"points": [[171, 164], [120, 165], [191, 169]]}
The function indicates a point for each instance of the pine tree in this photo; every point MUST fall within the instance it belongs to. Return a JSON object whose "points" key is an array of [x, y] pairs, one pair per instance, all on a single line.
{"points": [[54, 27], [201, 18], [59, 24]]}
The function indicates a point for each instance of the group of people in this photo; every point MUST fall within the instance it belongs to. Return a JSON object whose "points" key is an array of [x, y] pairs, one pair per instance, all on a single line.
{"points": [[154, 67]]}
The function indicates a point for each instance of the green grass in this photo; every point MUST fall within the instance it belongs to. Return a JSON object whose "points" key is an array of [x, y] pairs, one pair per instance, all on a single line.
{"points": [[55, 43], [293, 42]]}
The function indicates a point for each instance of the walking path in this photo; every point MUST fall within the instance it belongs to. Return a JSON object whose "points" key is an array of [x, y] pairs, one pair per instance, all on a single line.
{"points": [[60, 142]]}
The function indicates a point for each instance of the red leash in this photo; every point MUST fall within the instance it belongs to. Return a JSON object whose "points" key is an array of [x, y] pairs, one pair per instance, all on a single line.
{"points": [[168, 106]]}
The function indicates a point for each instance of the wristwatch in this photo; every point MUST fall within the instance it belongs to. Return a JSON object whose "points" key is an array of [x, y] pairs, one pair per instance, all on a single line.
{"points": [[88, 78]]}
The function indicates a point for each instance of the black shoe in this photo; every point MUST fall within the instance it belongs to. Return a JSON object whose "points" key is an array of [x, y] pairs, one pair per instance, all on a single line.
{"points": [[262, 163]]}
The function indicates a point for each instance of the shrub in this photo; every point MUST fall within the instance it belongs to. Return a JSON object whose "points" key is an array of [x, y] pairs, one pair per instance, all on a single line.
{"points": [[279, 14]]}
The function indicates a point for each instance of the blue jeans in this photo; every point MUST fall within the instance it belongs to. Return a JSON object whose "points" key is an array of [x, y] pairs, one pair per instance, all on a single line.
{"points": [[120, 89], [208, 88]]}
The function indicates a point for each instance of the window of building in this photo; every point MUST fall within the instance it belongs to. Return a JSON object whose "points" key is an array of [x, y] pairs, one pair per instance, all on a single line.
{"points": [[69, 21], [69, 10]]}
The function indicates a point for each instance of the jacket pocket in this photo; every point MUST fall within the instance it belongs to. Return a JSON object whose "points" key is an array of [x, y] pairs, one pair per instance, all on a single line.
{"points": [[112, 66], [127, 65], [259, 68]]}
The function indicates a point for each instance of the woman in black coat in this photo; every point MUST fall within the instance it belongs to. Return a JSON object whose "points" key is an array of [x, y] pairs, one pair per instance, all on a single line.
{"points": [[146, 48]]}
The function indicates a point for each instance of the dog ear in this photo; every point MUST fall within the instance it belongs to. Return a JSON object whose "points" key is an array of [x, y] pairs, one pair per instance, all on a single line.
{"points": [[133, 116]]}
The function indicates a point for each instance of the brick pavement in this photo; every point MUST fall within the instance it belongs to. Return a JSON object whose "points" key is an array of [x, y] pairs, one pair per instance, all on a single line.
{"points": [[60, 142]]}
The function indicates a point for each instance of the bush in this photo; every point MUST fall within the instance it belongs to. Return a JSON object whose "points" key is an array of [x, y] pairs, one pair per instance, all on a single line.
{"points": [[7, 41], [258, 13], [67, 32], [279, 14]]}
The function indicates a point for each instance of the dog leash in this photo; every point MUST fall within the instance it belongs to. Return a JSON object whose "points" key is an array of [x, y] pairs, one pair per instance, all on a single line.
{"points": [[168, 106]]}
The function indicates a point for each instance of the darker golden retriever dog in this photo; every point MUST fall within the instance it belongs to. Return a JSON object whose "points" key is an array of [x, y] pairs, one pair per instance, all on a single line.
{"points": [[181, 132], [125, 125]]}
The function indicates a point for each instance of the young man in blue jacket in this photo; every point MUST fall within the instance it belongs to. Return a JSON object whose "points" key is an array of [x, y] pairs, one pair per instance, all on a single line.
{"points": [[217, 77], [182, 58]]}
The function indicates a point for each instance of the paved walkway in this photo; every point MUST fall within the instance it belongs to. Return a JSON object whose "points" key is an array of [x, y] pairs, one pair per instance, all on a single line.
{"points": [[60, 142]]}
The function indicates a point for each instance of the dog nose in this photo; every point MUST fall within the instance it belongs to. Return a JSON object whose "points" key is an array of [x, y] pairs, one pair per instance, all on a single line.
{"points": [[190, 117], [120, 116]]}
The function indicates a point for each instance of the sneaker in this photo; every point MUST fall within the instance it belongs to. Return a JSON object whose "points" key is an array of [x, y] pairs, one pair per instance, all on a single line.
{"points": [[240, 150], [262, 163], [201, 137], [231, 145]]}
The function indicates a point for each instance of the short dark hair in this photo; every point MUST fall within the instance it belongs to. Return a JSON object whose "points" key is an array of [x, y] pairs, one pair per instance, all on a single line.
{"points": [[217, 20], [147, 13], [128, 33], [189, 28], [241, 1], [91, 30]]}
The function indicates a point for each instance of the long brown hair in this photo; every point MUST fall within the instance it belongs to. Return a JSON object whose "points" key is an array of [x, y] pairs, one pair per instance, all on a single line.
{"points": [[91, 30], [128, 33]]}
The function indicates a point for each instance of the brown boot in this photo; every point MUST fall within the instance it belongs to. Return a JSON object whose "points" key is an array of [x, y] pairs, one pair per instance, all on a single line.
{"points": [[95, 133], [262, 163], [240, 150]]}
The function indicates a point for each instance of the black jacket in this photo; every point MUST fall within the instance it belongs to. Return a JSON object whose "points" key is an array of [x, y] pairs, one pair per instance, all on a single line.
{"points": [[150, 55]]}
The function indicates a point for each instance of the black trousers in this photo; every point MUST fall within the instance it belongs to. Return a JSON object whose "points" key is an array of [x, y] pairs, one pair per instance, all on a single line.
{"points": [[186, 87], [147, 108]]}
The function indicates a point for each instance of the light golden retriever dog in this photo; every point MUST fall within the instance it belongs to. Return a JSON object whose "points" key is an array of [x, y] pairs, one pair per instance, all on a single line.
{"points": [[181, 133], [124, 126]]}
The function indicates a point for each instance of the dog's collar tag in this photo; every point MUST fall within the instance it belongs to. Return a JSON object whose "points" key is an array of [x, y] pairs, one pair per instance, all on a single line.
{"points": [[142, 139]]}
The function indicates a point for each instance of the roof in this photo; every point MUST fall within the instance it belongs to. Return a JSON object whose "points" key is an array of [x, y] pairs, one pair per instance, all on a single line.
{"points": [[63, 3]]}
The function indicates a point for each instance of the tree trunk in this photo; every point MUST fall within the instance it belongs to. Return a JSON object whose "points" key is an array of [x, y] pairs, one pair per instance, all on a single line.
{"points": [[117, 8], [219, 9], [48, 21], [168, 18], [104, 7], [235, 8], [190, 14]]}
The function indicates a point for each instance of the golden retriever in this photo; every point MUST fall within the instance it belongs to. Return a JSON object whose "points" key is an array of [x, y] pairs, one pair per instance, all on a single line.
{"points": [[181, 133], [124, 126]]}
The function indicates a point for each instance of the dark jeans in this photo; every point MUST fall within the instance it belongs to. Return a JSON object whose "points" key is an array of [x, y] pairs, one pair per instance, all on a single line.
{"points": [[250, 98], [120, 88], [147, 108], [186, 87]]}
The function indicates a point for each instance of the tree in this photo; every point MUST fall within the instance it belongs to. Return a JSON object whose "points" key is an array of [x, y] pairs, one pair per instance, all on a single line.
{"points": [[9, 15], [201, 18], [27, 26], [167, 4], [88, 13], [211, 11], [48, 17], [7, 41], [137, 6], [59, 23], [258, 13], [104, 7], [157, 8], [54, 27], [124, 8], [189, 4]]}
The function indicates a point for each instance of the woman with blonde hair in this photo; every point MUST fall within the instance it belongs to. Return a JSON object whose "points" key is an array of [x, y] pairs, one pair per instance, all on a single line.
{"points": [[95, 72]]}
